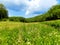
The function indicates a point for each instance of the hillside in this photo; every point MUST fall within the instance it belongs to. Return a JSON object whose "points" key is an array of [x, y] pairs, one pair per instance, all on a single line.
{"points": [[53, 23], [52, 14], [39, 33]]}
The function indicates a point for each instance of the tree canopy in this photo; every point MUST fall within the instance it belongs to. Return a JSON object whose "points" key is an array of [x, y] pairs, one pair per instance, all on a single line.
{"points": [[3, 12]]}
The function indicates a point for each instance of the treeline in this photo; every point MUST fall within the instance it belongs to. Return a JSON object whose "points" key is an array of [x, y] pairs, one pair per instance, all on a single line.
{"points": [[17, 19], [52, 14]]}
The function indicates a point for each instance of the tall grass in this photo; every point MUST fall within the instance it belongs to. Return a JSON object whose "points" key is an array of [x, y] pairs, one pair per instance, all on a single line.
{"points": [[55, 24], [16, 33]]}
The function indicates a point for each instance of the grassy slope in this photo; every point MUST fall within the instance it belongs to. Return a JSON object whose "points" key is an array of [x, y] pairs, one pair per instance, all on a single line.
{"points": [[55, 24], [16, 33]]}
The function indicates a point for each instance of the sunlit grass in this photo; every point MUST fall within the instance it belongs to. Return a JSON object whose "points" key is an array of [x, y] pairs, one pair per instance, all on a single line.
{"points": [[55, 24], [17, 33]]}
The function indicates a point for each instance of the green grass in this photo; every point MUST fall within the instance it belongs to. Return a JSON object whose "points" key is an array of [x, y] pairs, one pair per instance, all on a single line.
{"points": [[16, 33], [55, 24]]}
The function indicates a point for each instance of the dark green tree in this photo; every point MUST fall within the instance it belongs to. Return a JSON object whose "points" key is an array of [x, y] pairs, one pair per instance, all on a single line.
{"points": [[17, 19], [3, 12]]}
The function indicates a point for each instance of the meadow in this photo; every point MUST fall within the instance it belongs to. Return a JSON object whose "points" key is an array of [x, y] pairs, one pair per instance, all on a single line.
{"points": [[55, 24], [38, 33]]}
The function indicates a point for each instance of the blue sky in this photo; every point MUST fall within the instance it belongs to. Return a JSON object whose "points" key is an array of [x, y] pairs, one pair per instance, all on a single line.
{"points": [[28, 8]]}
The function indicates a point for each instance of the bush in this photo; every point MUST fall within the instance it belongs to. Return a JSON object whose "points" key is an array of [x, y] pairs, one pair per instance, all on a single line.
{"points": [[19, 19]]}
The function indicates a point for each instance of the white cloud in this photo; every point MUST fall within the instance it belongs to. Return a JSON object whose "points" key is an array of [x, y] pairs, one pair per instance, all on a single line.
{"points": [[33, 5], [36, 5], [27, 12]]}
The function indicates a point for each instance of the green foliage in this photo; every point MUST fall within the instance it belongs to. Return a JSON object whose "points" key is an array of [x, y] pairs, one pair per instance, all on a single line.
{"points": [[8, 37], [4, 19], [55, 24], [3, 12], [52, 14], [19, 19]]}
